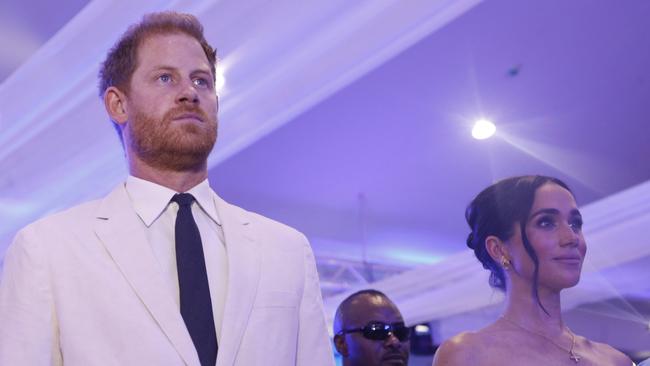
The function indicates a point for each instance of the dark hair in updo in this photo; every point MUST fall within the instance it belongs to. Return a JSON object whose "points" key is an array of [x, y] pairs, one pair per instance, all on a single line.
{"points": [[495, 210]]}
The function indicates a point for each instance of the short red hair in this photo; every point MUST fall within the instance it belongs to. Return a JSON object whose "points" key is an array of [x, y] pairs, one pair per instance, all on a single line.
{"points": [[121, 60]]}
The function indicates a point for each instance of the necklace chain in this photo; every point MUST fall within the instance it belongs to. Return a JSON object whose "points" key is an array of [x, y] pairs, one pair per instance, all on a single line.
{"points": [[572, 355]]}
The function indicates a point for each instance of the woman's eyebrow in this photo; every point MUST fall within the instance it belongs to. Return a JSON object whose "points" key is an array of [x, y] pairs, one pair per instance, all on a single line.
{"points": [[550, 211]]}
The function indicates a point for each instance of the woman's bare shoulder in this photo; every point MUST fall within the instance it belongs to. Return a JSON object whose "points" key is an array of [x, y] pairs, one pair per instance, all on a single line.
{"points": [[457, 350], [607, 352], [466, 348]]}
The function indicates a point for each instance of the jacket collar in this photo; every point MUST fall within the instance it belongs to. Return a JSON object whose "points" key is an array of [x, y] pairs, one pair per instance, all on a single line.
{"points": [[121, 231]]}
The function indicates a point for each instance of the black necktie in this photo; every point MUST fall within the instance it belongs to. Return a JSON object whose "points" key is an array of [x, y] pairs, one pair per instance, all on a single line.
{"points": [[196, 306]]}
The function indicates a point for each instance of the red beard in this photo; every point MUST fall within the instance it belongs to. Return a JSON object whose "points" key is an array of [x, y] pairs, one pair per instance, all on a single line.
{"points": [[173, 145]]}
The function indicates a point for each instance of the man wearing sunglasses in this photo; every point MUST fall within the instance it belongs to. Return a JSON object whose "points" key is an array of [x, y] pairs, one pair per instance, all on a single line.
{"points": [[369, 331]]}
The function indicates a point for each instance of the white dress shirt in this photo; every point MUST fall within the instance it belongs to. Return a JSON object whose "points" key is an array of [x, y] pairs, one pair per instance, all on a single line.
{"points": [[152, 204]]}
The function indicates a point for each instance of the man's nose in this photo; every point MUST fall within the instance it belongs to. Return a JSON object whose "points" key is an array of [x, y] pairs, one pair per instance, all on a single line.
{"points": [[392, 341], [187, 93]]}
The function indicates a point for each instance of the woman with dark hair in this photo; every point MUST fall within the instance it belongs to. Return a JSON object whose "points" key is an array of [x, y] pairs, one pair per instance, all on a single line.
{"points": [[527, 231]]}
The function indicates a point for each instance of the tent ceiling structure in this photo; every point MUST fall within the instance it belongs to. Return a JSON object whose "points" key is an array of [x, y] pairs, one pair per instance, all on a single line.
{"points": [[351, 121]]}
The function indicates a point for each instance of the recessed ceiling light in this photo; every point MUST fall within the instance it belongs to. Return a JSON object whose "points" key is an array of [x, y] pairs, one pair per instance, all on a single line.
{"points": [[483, 129]]}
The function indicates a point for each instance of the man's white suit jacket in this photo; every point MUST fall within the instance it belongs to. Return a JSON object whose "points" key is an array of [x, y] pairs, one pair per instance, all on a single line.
{"points": [[82, 287]]}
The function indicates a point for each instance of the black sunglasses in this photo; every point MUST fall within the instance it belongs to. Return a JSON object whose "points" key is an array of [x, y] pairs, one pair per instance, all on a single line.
{"points": [[379, 331]]}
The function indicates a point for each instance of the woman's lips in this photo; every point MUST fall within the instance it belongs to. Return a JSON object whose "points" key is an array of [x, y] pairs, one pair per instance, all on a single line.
{"points": [[569, 259]]}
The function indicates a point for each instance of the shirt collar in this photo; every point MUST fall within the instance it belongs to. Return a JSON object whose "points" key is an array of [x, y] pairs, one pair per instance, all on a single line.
{"points": [[150, 199]]}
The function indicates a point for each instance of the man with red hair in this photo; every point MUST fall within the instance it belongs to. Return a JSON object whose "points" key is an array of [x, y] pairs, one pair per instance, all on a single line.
{"points": [[161, 271]]}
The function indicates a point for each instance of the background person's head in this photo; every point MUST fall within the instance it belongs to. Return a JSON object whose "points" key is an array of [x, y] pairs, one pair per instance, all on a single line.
{"points": [[158, 88], [385, 338], [514, 219]]}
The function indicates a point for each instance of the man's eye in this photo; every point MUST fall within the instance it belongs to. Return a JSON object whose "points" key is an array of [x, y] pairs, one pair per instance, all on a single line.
{"points": [[201, 82], [165, 78]]}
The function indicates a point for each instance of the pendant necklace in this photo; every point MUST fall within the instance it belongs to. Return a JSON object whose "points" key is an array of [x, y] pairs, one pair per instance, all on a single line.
{"points": [[572, 355]]}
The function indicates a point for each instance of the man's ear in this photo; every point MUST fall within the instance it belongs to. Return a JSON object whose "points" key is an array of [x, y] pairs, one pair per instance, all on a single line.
{"points": [[115, 103], [496, 249], [341, 345]]}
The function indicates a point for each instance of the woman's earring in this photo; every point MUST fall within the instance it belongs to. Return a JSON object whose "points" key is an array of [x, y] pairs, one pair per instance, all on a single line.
{"points": [[505, 263]]}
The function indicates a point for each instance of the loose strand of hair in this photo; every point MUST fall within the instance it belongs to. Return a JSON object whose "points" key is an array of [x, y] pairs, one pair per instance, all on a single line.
{"points": [[533, 256]]}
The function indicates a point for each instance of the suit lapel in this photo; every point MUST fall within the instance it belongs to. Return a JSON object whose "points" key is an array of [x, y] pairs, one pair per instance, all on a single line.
{"points": [[244, 260], [121, 231]]}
